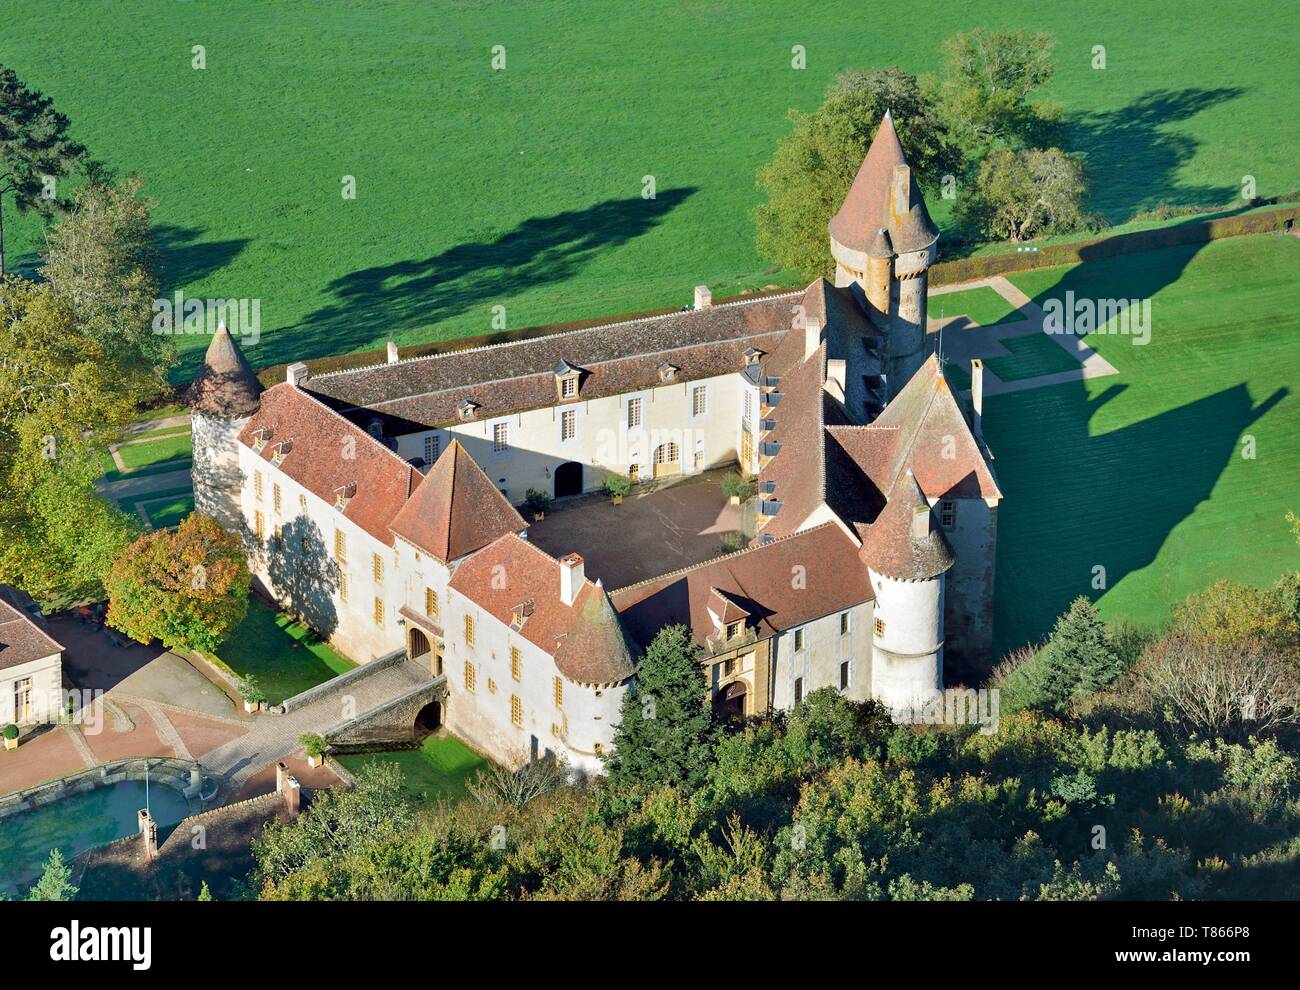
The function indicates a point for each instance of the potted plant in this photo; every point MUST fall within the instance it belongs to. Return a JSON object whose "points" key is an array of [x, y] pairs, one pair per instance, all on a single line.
{"points": [[538, 503], [252, 694], [314, 746], [11, 736], [738, 489], [616, 486]]}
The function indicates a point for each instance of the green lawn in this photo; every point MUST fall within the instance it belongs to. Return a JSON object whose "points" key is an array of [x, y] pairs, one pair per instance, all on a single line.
{"points": [[1144, 473], [440, 768], [981, 304], [166, 512], [285, 656], [1032, 355], [138, 455], [523, 187]]}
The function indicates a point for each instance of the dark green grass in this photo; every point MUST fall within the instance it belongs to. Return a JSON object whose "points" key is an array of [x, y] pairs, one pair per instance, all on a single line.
{"points": [[958, 375], [285, 656], [524, 187], [440, 768], [1143, 473], [128, 503], [111, 473], [981, 304], [1032, 355], [161, 431], [140, 455], [169, 511]]}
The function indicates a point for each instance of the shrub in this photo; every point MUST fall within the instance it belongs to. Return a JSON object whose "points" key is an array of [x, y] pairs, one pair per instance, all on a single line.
{"points": [[313, 745], [11, 731], [251, 691], [732, 542], [735, 486], [616, 485], [536, 501]]}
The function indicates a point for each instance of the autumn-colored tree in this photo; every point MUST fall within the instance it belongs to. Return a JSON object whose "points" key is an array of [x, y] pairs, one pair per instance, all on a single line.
{"points": [[1226, 613], [188, 588]]}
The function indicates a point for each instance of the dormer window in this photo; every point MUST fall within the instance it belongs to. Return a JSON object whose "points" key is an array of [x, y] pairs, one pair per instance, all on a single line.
{"points": [[668, 372], [566, 381], [344, 494], [520, 613], [733, 629], [260, 437], [281, 448], [752, 355], [466, 409]]}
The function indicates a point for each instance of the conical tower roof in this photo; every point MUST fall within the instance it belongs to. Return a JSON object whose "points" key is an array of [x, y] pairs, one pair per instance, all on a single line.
{"points": [[896, 546], [225, 386], [867, 207]]}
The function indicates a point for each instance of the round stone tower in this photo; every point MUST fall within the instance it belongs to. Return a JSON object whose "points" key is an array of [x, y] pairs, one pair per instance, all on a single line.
{"points": [[907, 560], [884, 241], [224, 394]]}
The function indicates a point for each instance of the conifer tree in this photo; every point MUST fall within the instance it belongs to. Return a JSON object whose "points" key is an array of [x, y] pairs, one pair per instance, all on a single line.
{"points": [[1079, 657]]}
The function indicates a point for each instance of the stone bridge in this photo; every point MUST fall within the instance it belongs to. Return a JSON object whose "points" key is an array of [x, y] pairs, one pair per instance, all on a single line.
{"points": [[399, 719]]}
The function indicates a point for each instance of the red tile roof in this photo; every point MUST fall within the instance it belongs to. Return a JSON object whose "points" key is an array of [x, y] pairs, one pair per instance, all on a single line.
{"points": [[328, 453], [456, 509], [780, 585], [797, 471], [890, 545], [21, 639], [585, 638]]}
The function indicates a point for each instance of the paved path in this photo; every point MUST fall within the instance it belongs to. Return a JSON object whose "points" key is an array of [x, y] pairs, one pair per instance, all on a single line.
{"points": [[140, 487], [150, 425], [274, 737], [965, 341]]}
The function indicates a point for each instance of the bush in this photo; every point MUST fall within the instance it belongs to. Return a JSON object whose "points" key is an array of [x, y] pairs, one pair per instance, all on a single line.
{"points": [[11, 731], [616, 485], [251, 691], [735, 486], [536, 501], [732, 542], [313, 745]]}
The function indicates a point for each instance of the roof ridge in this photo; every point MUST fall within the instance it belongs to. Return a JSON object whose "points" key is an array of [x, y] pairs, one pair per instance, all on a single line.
{"points": [[553, 336], [294, 389], [726, 556]]}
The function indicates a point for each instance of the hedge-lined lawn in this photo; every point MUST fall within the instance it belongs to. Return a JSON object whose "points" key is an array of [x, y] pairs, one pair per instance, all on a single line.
{"points": [[982, 304], [285, 656], [523, 187], [1032, 355], [164, 512], [1143, 472], [152, 452], [440, 768]]}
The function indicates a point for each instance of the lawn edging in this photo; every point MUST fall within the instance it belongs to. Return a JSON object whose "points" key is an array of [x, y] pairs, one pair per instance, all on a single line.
{"points": [[341, 680]]}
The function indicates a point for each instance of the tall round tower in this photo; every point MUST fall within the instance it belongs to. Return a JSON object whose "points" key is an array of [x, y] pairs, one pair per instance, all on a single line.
{"points": [[907, 559], [884, 241], [224, 394]]}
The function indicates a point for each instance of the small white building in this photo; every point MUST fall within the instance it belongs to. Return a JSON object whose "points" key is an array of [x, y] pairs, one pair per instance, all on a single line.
{"points": [[31, 664]]}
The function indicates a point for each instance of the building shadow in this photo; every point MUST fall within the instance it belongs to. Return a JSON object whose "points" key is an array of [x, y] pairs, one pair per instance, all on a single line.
{"points": [[304, 576]]}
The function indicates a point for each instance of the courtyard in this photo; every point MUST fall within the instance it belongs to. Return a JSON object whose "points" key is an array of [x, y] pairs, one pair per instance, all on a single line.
{"points": [[653, 532]]}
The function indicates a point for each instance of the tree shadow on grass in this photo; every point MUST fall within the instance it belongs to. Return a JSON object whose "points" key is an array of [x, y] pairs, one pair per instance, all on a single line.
{"points": [[188, 258], [375, 302]]}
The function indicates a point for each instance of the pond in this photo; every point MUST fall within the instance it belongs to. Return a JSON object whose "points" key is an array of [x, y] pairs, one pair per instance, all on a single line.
{"points": [[78, 823]]}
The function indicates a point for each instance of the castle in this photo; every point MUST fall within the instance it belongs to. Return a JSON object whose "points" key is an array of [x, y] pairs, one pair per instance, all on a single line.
{"points": [[379, 503]]}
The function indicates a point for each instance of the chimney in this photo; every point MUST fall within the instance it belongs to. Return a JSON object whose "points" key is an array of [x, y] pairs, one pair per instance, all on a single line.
{"points": [[977, 397], [281, 776], [149, 833], [295, 374], [835, 378], [571, 576], [920, 522], [292, 797], [812, 336], [392, 353], [703, 297], [900, 197]]}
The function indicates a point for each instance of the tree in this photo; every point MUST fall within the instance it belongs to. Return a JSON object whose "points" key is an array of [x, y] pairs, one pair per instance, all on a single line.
{"points": [[101, 260], [666, 726], [983, 93], [1226, 613], [35, 150], [814, 166], [1022, 194], [1078, 659], [55, 883], [204, 893], [188, 588]]}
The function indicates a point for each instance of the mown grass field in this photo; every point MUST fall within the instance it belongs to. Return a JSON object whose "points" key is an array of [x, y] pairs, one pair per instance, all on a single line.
{"points": [[438, 770], [523, 187], [151, 452], [981, 304], [284, 656], [1172, 474]]}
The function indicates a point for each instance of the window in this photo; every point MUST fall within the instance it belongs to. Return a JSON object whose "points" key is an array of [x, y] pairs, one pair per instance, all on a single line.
{"points": [[379, 611], [377, 567], [492, 686], [798, 690], [599, 748], [516, 710], [880, 627], [257, 485], [277, 537], [23, 699], [798, 641], [340, 546], [667, 453], [728, 666], [699, 400], [259, 525], [469, 676], [275, 498], [749, 407], [568, 424], [733, 630], [844, 675], [846, 624], [568, 387], [432, 447], [633, 413], [699, 460], [947, 514], [430, 603], [559, 692], [500, 437], [343, 585], [302, 505], [469, 630], [634, 473], [516, 663]]}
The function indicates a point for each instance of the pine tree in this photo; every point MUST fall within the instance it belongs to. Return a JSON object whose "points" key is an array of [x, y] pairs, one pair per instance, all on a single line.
{"points": [[55, 883], [34, 148], [1079, 657], [204, 893], [666, 729]]}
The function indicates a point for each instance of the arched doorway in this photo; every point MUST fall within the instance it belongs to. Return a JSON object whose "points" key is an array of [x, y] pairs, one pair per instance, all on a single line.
{"points": [[729, 701], [428, 719], [668, 460], [568, 479], [419, 644]]}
